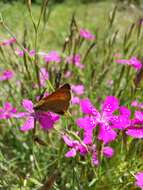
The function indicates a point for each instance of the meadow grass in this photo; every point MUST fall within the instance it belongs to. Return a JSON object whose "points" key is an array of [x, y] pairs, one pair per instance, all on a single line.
{"points": [[26, 165]]}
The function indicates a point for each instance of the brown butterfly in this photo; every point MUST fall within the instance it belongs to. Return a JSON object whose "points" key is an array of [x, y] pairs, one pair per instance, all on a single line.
{"points": [[57, 102]]}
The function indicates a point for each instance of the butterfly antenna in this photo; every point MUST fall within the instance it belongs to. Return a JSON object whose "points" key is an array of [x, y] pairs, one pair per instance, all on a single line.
{"points": [[42, 94]]}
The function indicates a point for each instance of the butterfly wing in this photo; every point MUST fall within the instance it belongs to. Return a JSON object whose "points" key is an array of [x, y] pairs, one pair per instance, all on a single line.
{"points": [[57, 102]]}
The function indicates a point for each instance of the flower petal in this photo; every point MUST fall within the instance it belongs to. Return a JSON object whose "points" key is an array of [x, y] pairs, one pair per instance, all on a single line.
{"points": [[46, 120], [125, 111], [139, 115], [87, 122], [71, 153], [120, 122], [88, 108], [29, 124], [28, 105], [139, 178], [106, 134], [135, 132], [110, 104], [95, 160], [68, 140], [88, 136], [108, 151]]}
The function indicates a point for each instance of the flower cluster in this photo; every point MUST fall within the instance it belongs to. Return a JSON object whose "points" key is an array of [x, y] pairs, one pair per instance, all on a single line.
{"points": [[7, 111], [112, 118]]}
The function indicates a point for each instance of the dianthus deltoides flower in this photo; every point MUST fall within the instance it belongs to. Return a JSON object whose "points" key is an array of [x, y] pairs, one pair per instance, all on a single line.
{"points": [[86, 34], [7, 111], [6, 75], [105, 120], [45, 119], [52, 56], [84, 149]]}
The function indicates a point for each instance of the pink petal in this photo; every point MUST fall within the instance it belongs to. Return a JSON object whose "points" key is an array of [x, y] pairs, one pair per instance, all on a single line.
{"points": [[32, 52], [21, 115], [106, 134], [77, 89], [46, 120], [123, 61], [139, 179], [110, 104], [83, 149], [75, 100], [68, 140], [86, 34], [120, 122], [71, 153], [108, 151], [136, 63], [95, 160], [135, 132], [7, 106], [88, 136], [44, 76], [87, 122], [125, 111], [28, 105], [87, 107], [29, 124], [134, 103], [52, 56], [139, 115]]}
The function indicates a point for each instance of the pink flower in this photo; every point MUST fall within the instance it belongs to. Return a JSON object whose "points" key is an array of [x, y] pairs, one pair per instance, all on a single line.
{"points": [[21, 53], [139, 179], [77, 89], [7, 111], [134, 62], [6, 75], [18, 52], [8, 42], [45, 119], [44, 76], [86, 34], [105, 119], [135, 103], [75, 146], [75, 100], [84, 149], [32, 52], [52, 56], [76, 60]]}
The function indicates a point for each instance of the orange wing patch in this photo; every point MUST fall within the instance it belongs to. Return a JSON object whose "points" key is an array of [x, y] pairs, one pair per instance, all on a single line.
{"points": [[57, 102]]}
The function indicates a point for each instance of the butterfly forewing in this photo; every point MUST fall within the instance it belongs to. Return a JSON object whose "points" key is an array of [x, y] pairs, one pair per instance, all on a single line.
{"points": [[57, 102]]}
